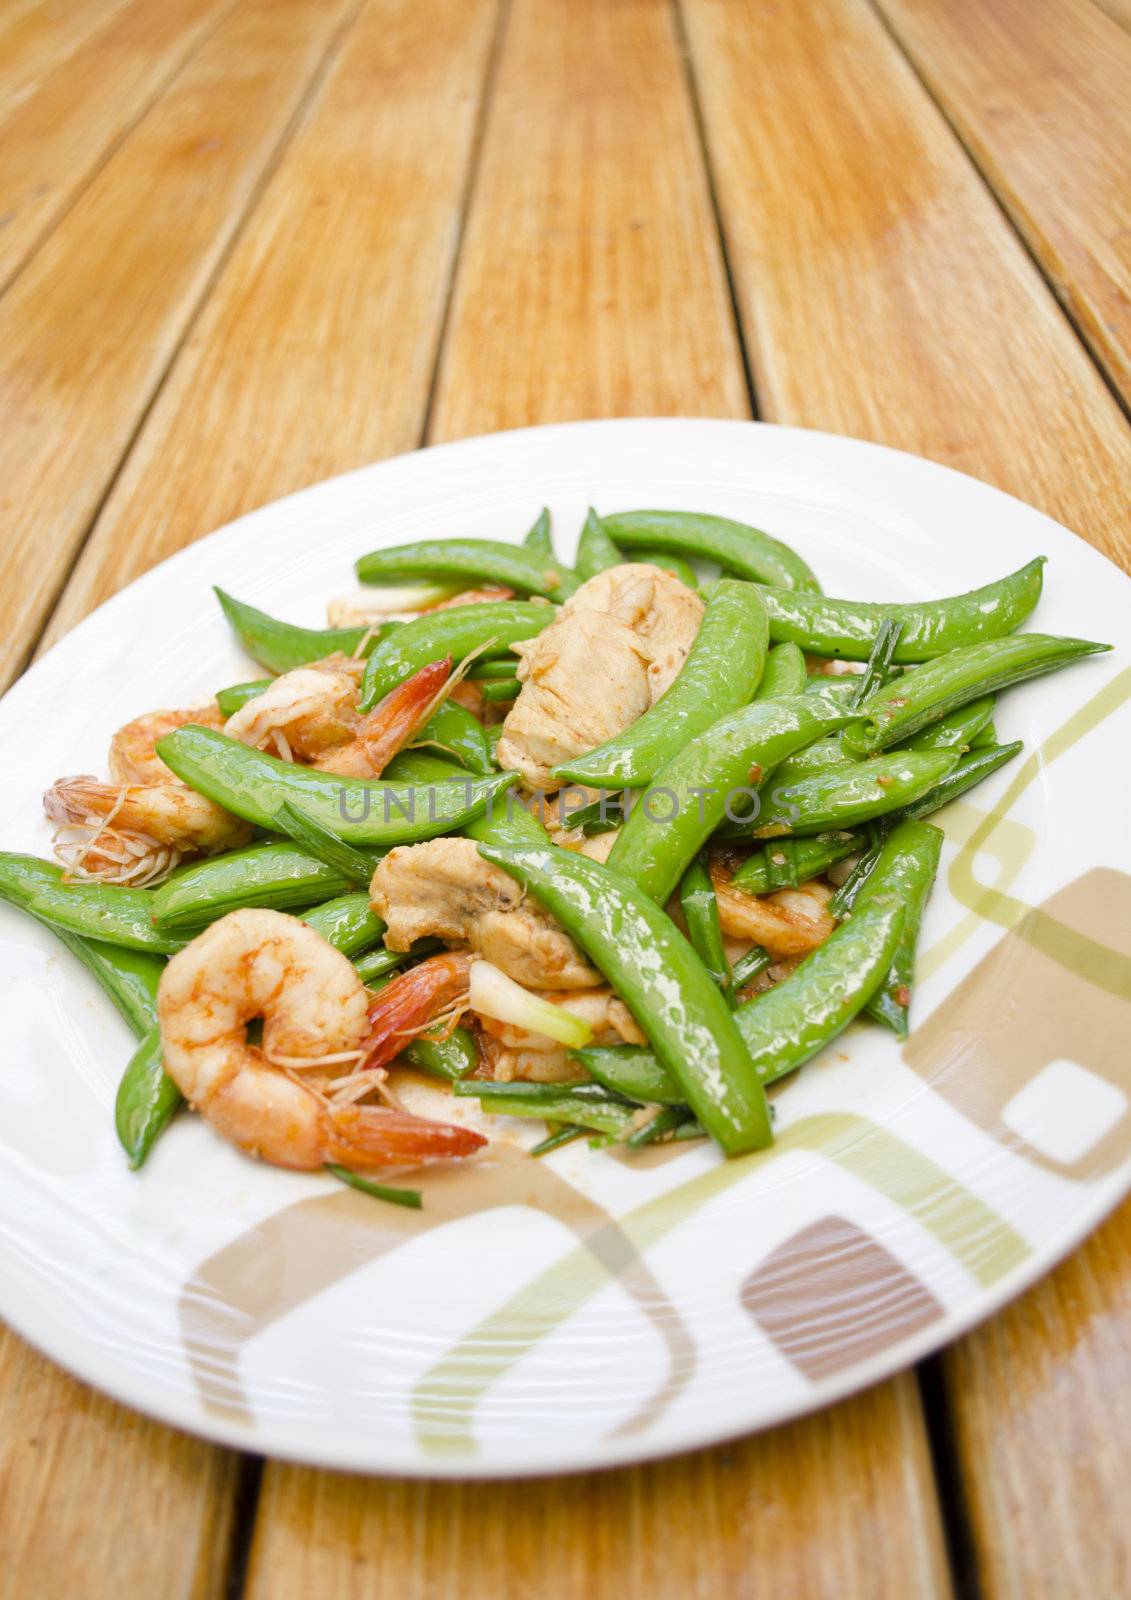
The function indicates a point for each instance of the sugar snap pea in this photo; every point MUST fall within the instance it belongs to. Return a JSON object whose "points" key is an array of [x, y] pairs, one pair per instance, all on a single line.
{"points": [[457, 732], [743, 550], [539, 540], [236, 695], [146, 1099], [668, 563], [720, 674], [971, 769], [702, 783], [281, 876], [820, 756], [253, 785], [655, 971], [596, 552], [103, 911], [627, 1070], [921, 697], [492, 671], [800, 860], [847, 796], [958, 730], [476, 560], [490, 627], [347, 923], [701, 913], [375, 966], [904, 868], [353, 865], [452, 1057], [785, 673], [824, 626], [282, 646]]}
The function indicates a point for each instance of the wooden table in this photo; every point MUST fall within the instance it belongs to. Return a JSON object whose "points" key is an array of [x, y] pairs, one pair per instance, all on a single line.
{"points": [[245, 244]]}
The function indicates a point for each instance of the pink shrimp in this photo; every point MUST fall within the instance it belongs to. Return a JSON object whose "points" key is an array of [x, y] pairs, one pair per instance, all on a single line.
{"points": [[435, 989], [390, 725]]}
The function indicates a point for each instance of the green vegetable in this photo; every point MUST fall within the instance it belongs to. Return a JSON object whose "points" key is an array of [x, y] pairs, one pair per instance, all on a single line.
{"points": [[377, 1191], [904, 869], [324, 844], [720, 674], [501, 689], [146, 1100], [237, 695], [281, 646], [553, 1103], [971, 769], [745, 551], [847, 796], [473, 560], [347, 923], [540, 539], [668, 563], [596, 552], [788, 862], [554, 1141], [284, 877], [785, 673], [489, 627], [701, 913], [102, 911], [958, 730]]}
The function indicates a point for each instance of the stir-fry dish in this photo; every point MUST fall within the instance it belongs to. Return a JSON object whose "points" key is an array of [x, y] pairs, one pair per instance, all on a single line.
{"points": [[615, 847]]}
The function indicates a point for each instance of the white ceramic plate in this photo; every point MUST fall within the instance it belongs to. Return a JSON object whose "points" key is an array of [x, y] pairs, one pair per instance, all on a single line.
{"points": [[591, 1312]]}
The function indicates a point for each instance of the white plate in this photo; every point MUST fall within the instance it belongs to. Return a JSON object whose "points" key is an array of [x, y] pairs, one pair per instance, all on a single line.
{"points": [[595, 1312]]}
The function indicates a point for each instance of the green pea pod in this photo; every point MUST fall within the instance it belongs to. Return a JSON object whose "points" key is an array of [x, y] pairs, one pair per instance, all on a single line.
{"points": [[820, 756], [281, 646], [668, 563], [720, 674], [452, 1058], [501, 689], [790, 1023], [375, 967], [146, 1100], [103, 911], [701, 913], [973, 768], [824, 626], [657, 974], [540, 539], [237, 695], [987, 736], [253, 785], [586, 1105], [354, 866], [283, 877], [847, 796], [493, 734], [785, 673], [490, 627], [628, 1070], [596, 552], [703, 782], [457, 732], [745, 551], [905, 869], [347, 923], [921, 697], [476, 560], [800, 860], [958, 730]]}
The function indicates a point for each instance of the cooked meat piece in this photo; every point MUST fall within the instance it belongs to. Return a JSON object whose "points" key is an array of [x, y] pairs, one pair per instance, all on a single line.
{"points": [[444, 888], [660, 610], [790, 922], [515, 1053]]}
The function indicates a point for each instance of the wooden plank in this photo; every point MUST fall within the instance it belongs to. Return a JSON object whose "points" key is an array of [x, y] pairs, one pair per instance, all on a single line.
{"points": [[97, 1501], [880, 293], [579, 297], [590, 282], [316, 351], [88, 329], [811, 1510], [37, 38], [1040, 93], [57, 135]]}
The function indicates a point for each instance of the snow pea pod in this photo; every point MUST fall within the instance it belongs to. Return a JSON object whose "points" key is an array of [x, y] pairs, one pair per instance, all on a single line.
{"points": [[743, 550], [847, 796], [668, 563], [453, 1058], [824, 626], [375, 966], [788, 862], [972, 769], [791, 1022], [921, 697], [253, 785], [347, 923], [490, 626], [657, 974], [231, 699], [958, 730], [284, 877], [146, 1099], [596, 552], [477, 560], [540, 540], [701, 784], [785, 673], [282, 646], [720, 674], [820, 756], [905, 868], [104, 911]]}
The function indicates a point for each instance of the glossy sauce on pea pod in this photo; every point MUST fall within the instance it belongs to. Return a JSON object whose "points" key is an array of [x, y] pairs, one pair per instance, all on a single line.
{"points": [[282, 646], [824, 626], [846, 796], [491, 626], [709, 778], [281, 876], [720, 674], [596, 552], [905, 867], [478, 560], [108, 912], [254, 785], [740, 548], [657, 974]]}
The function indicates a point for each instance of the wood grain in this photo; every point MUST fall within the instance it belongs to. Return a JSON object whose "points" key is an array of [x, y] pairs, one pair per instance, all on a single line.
{"points": [[87, 330], [881, 294], [99, 1502], [36, 39], [811, 1510], [1040, 92], [590, 283], [59, 132], [317, 348]]}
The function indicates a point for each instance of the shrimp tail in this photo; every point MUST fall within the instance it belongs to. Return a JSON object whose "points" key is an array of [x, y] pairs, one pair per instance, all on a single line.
{"points": [[405, 1007], [404, 710], [381, 1136]]}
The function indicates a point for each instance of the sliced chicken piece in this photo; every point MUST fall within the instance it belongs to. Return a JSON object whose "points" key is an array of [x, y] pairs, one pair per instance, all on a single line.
{"points": [[584, 679], [514, 1053], [445, 889], [661, 611], [790, 922]]}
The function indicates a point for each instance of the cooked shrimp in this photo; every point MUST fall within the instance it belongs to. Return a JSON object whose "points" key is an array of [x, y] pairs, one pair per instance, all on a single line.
{"points": [[390, 725], [258, 963], [790, 922], [434, 991], [135, 833], [132, 756], [517, 1053], [301, 715]]}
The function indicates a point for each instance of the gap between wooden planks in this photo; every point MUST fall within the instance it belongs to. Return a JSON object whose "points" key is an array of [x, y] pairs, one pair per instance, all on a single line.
{"points": [[882, 295]]}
